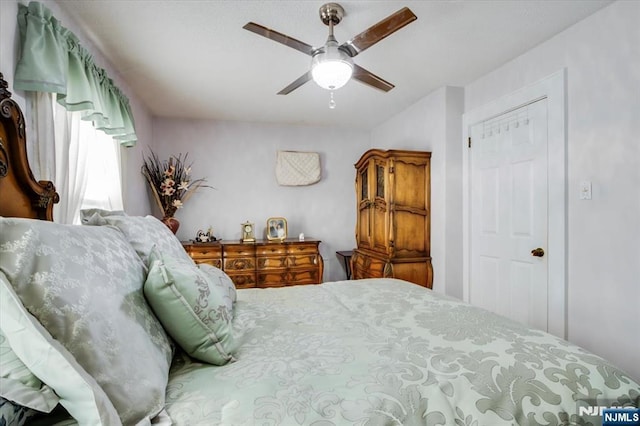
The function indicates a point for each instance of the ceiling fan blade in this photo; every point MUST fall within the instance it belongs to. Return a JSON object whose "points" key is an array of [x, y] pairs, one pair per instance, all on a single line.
{"points": [[379, 31], [299, 82], [279, 37], [370, 79]]}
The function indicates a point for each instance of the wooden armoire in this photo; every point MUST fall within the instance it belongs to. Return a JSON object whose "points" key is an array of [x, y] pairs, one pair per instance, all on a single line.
{"points": [[393, 225]]}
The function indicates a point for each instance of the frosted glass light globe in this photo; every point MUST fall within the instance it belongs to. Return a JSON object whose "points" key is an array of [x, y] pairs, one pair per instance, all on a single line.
{"points": [[332, 68]]}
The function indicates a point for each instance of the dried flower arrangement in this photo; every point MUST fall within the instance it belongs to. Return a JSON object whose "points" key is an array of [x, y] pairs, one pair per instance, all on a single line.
{"points": [[170, 181]]}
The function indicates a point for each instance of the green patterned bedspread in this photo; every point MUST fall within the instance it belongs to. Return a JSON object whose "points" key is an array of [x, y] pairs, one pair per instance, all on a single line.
{"points": [[386, 352]]}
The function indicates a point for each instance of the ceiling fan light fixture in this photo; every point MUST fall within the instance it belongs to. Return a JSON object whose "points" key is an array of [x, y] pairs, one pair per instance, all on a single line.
{"points": [[331, 68]]}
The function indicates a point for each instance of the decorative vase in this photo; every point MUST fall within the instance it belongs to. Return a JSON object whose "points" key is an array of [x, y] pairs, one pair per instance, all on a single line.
{"points": [[172, 223]]}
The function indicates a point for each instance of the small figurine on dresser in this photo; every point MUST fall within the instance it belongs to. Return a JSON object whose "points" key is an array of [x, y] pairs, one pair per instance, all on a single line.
{"points": [[205, 237]]}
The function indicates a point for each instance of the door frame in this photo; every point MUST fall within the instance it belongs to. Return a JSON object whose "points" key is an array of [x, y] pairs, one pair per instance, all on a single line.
{"points": [[553, 89]]}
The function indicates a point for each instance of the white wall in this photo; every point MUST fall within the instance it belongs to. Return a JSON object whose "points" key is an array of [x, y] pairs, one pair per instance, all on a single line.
{"points": [[133, 182], [238, 159], [602, 58], [434, 124]]}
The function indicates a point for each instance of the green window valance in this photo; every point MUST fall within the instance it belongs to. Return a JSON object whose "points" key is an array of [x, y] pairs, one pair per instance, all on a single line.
{"points": [[52, 60]]}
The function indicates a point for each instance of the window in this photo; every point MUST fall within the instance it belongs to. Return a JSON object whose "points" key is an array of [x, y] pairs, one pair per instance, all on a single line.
{"points": [[103, 186], [82, 162]]}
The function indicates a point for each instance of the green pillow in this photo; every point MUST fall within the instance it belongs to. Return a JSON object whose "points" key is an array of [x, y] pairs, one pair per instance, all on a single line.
{"points": [[192, 308], [223, 282]]}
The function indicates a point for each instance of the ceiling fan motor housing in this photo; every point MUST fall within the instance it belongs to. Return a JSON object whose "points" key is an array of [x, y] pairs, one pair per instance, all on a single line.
{"points": [[331, 13]]}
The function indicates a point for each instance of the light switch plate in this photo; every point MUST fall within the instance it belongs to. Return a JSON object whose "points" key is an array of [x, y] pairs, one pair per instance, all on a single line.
{"points": [[585, 190]]}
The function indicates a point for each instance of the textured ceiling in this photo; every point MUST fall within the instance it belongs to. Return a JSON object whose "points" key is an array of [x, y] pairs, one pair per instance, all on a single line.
{"points": [[192, 59]]}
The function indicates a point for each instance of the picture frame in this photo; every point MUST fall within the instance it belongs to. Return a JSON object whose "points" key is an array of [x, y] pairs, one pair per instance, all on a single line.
{"points": [[276, 228]]}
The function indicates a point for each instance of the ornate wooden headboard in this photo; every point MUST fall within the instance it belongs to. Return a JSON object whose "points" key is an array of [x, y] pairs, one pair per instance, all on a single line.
{"points": [[20, 194]]}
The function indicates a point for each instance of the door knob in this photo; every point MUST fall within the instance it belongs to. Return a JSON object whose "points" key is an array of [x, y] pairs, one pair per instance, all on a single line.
{"points": [[538, 252]]}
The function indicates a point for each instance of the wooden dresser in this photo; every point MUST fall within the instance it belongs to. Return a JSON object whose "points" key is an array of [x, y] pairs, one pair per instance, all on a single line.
{"points": [[263, 263], [393, 225]]}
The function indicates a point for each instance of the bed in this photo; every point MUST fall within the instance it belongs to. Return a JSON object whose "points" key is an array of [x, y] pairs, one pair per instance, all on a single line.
{"points": [[110, 323]]}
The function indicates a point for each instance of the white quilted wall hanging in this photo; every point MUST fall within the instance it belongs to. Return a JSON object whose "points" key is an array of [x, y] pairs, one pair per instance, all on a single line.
{"points": [[295, 168]]}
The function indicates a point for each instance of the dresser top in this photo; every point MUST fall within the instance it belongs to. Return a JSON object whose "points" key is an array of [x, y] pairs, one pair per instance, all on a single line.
{"points": [[257, 242]]}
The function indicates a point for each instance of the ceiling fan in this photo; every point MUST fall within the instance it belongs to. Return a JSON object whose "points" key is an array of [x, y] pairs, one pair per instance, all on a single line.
{"points": [[332, 65]]}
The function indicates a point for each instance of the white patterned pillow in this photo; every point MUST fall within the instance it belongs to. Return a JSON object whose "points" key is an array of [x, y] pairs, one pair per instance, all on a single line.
{"points": [[143, 233], [46, 357], [91, 278]]}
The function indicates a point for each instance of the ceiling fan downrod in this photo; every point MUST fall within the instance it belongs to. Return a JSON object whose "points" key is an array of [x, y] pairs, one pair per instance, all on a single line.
{"points": [[331, 14]]}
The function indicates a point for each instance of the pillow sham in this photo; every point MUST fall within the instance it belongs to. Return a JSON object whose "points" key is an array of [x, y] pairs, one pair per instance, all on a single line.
{"points": [[143, 233], [18, 384], [193, 308], [45, 357], [223, 282], [84, 285]]}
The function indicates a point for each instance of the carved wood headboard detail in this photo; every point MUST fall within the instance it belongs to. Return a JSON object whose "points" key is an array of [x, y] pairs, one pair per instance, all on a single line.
{"points": [[20, 194]]}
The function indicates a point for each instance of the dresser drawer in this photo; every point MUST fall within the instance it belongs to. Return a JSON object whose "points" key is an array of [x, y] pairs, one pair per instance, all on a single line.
{"points": [[239, 264], [301, 248], [374, 267], [272, 262], [213, 262], [205, 253], [305, 276], [209, 253], [239, 250], [272, 278], [203, 249], [271, 249], [243, 280], [303, 261], [365, 266], [360, 273]]}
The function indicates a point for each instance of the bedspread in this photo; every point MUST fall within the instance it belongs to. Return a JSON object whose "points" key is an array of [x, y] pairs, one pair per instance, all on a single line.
{"points": [[385, 352]]}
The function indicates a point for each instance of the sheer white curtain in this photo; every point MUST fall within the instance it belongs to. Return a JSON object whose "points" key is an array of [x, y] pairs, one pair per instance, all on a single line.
{"points": [[39, 116], [104, 183], [74, 155]]}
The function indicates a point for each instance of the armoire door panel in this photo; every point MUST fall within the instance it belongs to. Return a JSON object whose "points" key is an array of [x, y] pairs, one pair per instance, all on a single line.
{"points": [[409, 186], [380, 239], [364, 227], [410, 237]]}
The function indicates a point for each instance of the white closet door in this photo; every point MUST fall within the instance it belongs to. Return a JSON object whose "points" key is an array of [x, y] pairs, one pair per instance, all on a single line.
{"points": [[508, 270]]}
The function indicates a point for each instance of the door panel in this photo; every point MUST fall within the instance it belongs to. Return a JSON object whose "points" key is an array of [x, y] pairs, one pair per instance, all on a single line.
{"points": [[363, 237], [410, 184], [410, 236], [379, 228], [509, 214]]}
